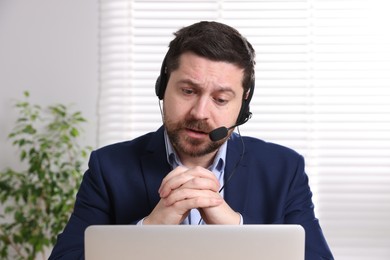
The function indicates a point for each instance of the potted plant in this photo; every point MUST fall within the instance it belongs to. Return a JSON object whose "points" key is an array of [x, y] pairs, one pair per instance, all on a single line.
{"points": [[37, 201]]}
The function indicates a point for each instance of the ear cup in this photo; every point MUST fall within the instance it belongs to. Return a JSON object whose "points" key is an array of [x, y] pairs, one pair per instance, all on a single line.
{"points": [[158, 88], [245, 113], [161, 82]]}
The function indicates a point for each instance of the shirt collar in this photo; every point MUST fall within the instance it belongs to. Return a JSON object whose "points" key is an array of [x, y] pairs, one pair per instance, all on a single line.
{"points": [[174, 160]]}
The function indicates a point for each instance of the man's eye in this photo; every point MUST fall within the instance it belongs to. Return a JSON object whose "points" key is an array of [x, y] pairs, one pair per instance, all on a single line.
{"points": [[187, 91], [220, 101]]}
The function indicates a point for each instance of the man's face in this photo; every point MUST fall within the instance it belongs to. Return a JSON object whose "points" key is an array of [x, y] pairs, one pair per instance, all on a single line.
{"points": [[201, 95]]}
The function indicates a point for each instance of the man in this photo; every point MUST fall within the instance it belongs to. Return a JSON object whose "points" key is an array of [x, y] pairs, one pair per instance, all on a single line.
{"points": [[194, 169]]}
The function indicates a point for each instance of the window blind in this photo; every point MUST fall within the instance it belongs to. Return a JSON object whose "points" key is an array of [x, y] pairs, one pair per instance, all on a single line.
{"points": [[322, 88]]}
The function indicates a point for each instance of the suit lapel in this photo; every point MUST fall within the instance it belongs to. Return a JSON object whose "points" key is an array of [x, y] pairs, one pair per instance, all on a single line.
{"points": [[236, 187], [154, 166]]}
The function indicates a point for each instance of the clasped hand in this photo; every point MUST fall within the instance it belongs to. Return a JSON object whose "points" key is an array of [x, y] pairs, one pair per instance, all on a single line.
{"points": [[184, 189]]}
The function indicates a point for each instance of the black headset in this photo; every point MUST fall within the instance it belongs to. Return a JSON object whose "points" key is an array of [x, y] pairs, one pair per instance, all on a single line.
{"points": [[243, 116]]}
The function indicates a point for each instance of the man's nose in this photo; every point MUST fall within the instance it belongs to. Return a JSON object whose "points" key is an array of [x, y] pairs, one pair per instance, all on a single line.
{"points": [[201, 108]]}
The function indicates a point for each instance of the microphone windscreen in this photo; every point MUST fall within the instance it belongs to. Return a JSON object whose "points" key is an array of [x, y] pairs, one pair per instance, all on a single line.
{"points": [[218, 134]]}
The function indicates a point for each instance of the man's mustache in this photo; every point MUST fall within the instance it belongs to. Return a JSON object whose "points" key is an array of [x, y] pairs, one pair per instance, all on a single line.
{"points": [[197, 125]]}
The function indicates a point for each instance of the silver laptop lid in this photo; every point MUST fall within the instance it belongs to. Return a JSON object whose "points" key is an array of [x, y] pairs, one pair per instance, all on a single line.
{"points": [[186, 242]]}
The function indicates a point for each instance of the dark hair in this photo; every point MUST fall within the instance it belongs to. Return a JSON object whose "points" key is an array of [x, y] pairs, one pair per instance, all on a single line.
{"points": [[214, 41]]}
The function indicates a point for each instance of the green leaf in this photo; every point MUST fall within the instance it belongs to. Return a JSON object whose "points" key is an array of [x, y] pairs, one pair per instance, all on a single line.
{"points": [[74, 132], [29, 129]]}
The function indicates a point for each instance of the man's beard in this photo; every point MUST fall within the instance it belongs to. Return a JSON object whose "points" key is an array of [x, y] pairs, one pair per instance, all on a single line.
{"points": [[188, 145]]}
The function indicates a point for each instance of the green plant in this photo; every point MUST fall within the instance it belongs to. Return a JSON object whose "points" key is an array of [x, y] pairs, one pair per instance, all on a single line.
{"points": [[39, 200]]}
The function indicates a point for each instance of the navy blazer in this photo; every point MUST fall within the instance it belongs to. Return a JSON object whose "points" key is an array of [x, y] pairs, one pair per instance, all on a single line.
{"points": [[269, 186]]}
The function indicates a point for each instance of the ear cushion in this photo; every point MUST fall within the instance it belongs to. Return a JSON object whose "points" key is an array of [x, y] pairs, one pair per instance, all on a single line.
{"points": [[159, 92], [162, 81], [245, 113]]}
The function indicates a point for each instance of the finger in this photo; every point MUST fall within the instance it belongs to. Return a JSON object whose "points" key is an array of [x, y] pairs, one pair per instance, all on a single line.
{"points": [[222, 214], [177, 171], [166, 215], [178, 178], [197, 202], [192, 195], [201, 184], [189, 182]]}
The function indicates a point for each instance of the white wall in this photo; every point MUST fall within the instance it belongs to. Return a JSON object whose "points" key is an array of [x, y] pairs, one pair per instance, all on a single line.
{"points": [[50, 49]]}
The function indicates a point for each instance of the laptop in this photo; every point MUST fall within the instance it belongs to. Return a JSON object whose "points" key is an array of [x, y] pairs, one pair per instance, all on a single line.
{"points": [[188, 242]]}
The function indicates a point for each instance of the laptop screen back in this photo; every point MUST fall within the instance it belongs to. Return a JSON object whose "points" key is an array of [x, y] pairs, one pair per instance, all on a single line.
{"points": [[186, 242]]}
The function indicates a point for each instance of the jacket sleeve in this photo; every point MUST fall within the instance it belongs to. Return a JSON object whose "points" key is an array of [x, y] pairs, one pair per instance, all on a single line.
{"points": [[276, 191], [91, 207], [299, 209]]}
